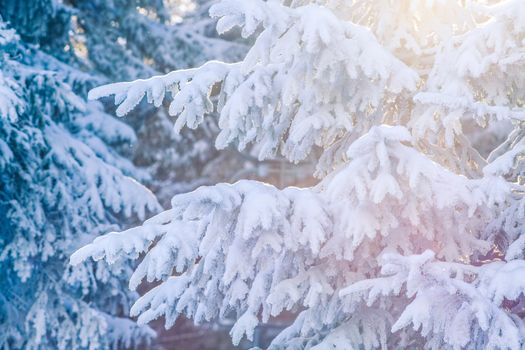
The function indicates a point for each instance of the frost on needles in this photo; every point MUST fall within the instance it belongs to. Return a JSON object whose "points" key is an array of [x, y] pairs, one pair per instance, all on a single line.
{"points": [[411, 238]]}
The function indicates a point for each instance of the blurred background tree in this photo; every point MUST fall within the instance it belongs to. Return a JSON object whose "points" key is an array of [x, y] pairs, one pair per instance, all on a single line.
{"points": [[65, 174]]}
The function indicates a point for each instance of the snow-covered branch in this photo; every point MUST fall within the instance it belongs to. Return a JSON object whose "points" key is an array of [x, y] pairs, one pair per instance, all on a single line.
{"points": [[257, 250], [308, 78]]}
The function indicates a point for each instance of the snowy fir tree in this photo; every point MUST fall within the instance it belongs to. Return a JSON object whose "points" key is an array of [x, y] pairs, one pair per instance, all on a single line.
{"points": [[64, 179], [413, 237]]}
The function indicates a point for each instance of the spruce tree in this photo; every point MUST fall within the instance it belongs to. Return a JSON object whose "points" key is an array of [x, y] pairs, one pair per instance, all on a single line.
{"points": [[411, 239], [64, 179]]}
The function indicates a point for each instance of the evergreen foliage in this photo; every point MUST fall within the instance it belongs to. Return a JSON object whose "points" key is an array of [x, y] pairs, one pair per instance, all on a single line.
{"points": [[411, 239], [64, 179]]}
